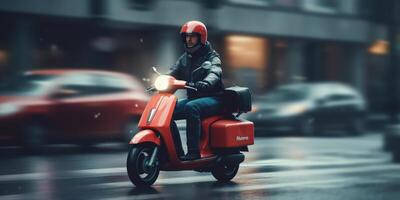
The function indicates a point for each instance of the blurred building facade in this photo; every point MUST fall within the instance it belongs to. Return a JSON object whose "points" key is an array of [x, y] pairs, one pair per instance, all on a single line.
{"points": [[263, 43]]}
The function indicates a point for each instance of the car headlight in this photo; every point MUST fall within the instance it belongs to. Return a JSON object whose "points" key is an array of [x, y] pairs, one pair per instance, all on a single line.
{"points": [[254, 108], [162, 83], [9, 109], [293, 109]]}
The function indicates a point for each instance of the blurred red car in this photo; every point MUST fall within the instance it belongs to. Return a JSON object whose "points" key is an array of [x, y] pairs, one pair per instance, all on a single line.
{"points": [[68, 106]]}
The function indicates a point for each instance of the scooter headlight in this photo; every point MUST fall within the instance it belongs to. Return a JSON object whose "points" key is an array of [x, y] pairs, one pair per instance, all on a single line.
{"points": [[162, 83]]}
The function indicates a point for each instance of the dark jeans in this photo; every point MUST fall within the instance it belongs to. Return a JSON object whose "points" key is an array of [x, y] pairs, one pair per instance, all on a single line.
{"points": [[193, 111]]}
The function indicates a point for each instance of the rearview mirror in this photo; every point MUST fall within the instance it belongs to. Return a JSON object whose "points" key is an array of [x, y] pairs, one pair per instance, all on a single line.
{"points": [[156, 71]]}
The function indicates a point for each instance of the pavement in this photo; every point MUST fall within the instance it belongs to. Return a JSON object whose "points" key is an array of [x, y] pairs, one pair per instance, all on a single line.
{"points": [[334, 167]]}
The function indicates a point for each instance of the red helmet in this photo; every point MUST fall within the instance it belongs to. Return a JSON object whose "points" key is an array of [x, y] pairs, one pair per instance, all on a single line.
{"points": [[195, 27]]}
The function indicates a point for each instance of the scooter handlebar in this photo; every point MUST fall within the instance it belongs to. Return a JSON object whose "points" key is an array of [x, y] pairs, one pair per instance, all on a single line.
{"points": [[182, 84], [150, 89], [188, 86], [173, 84], [192, 88]]}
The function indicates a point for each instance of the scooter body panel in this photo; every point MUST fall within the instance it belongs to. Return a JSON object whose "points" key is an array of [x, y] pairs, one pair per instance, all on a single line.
{"points": [[205, 148], [155, 123], [146, 135], [158, 112], [157, 117], [155, 127]]}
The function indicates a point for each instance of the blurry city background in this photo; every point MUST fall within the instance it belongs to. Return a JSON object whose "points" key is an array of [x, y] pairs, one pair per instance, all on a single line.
{"points": [[263, 43], [77, 70]]}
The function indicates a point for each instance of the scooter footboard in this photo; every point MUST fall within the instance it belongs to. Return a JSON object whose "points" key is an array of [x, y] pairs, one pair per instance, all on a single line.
{"points": [[145, 136]]}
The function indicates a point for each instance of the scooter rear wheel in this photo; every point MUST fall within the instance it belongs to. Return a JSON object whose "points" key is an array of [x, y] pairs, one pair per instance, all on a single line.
{"points": [[139, 173], [225, 172]]}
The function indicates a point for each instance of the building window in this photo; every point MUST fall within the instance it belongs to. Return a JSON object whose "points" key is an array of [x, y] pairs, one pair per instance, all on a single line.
{"points": [[141, 4], [327, 3], [253, 2], [3, 57], [287, 3], [323, 6], [246, 51], [379, 47], [246, 58], [269, 3]]}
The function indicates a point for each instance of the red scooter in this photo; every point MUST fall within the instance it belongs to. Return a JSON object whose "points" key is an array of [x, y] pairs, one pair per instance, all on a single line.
{"points": [[157, 146]]}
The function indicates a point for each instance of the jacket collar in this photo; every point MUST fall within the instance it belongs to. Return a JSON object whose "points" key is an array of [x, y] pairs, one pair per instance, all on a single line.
{"points": [[205, 49]]}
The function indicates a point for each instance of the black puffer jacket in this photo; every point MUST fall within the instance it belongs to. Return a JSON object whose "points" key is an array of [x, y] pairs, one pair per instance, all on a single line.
{"points": [[203, 65]]}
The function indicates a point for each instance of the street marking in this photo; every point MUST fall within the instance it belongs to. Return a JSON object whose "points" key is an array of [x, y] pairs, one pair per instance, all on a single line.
{"points": [[25, 176], [279, 174], [139, 197], [328, 171], [320, 161], [246, 188], [290, 184], [161, 181], [247, 182], [252, 164], [15, 196]]}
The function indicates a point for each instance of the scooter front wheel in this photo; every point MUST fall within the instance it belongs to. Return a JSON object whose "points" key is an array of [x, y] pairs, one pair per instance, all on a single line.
{"points": [[139, 172], [225, 172]]}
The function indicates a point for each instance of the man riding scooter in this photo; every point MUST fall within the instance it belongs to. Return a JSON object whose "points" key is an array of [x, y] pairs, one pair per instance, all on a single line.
{"points": [[224, 136], [200, 67]]}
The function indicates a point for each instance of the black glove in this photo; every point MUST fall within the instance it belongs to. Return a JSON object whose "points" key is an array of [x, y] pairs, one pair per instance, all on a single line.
{"points": [[201, 85], [191, 84]]}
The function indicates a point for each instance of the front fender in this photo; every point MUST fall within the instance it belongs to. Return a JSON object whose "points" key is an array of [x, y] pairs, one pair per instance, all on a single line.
{"points": [[145, 136]]}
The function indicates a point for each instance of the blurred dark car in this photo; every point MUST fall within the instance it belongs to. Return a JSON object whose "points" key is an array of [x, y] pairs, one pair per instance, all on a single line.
{"points": [[68, 106], [309, 109]]}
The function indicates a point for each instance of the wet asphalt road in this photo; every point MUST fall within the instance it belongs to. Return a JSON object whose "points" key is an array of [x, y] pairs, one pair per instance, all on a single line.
{"points": [[275, 168]]}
